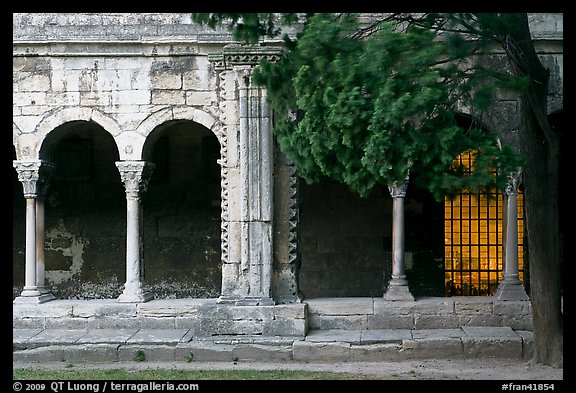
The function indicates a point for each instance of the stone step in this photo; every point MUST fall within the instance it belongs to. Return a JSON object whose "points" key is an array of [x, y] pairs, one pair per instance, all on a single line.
{"points": [[112, 345]]}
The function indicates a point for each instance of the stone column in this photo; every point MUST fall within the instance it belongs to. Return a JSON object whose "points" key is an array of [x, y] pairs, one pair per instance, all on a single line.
{"points": [[510, 287], [40, 239], [398, 285], [34, 176], [256, 166], [135, 176]]}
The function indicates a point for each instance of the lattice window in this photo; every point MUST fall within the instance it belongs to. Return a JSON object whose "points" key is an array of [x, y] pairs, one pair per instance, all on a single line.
{"points": [[473, 246]]}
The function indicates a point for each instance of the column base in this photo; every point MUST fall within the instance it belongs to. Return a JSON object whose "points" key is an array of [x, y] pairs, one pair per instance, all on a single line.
{"points": [[34, 299], [510, 290], [139, 297], [246, 300], [398, 290]]}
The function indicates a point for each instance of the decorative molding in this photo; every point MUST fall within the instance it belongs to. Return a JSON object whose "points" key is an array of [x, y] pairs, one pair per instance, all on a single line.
{"points": [[293, 213], [238, 55], [135, 176], [398, 189], [34, 176]]}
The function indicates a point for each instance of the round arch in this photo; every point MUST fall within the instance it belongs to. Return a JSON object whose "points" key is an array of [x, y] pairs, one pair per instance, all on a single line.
{"points": [[135, 151], [32, 146]]}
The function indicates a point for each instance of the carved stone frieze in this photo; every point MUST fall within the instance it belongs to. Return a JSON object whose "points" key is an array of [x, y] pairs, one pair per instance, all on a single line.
{"points": [[236, 55]]}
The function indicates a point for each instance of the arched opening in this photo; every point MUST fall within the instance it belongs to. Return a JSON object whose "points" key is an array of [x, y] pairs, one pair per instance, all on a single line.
{"points": [[473, 235], [84, 213], [182, 214]]}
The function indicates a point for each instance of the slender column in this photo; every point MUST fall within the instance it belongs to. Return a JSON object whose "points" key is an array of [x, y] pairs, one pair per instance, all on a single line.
{"points": [[510, 287], [398, 285], [135, 176], [40, 254], [34, 176]]}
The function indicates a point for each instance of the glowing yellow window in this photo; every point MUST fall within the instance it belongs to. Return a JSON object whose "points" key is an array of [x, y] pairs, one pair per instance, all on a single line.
{"points": [[473, 240]]}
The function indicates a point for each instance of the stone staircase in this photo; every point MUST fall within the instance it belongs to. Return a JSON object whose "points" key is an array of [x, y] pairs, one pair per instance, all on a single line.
{"points": [[328, 329]]}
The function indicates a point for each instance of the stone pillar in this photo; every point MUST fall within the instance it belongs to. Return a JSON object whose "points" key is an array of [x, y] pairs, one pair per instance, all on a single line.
{"points": [[256, 166], [247, 275], [510, 287], [135, 176], [34, 176], [398, 285]]}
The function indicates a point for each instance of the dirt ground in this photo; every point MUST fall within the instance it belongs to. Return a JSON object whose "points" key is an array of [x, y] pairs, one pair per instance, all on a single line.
{"points": [[462, 369]]}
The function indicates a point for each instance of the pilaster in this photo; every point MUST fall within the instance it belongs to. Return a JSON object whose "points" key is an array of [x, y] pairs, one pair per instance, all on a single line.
{"points": [[253, 275]]}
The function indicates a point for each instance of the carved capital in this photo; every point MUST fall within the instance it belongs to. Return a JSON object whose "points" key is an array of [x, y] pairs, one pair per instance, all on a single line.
{"points": [[135, 176], [35, 176], [514, 180], [398, 188]]}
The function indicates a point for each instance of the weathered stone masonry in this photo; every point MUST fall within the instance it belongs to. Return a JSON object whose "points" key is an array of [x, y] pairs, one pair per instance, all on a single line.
{"points": [[148, 168]]}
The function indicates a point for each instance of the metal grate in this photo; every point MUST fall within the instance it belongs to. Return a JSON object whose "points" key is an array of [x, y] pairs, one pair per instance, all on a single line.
{"points": [[473, 228]]}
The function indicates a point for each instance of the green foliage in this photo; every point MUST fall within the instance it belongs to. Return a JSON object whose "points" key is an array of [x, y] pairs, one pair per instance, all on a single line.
{"points": [[248, 27], [375, 110], [160, 374], [139, 356]]}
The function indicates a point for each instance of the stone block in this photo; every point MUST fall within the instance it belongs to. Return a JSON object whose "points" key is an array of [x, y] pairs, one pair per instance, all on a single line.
{"points": [[395, 308], [152, 353], [285, 327], [204, 351], [341, 306], [487, 347], [324, 351], [527, 343], [90, 353], [375, 352], [388, 336], [471, 305], [386, 321], [67, 323], [100, 336], [200, 98], [438, 321], [171, 307], [167, 97], [433, 348], [434, 306], [98, 308], [348, 336], [157, 336], [262, 352], [40, 355], [339, 322], [166, 81]]}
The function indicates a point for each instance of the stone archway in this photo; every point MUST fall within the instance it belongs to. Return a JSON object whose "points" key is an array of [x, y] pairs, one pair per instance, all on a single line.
{"points": [[84, 212], [182, 212]]}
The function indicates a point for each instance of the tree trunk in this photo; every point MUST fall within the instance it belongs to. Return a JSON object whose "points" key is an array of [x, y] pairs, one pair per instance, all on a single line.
{"points": [[540, 149]]}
